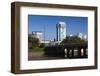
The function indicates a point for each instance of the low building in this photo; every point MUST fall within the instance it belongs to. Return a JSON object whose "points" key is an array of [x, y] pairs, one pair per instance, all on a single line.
{"points": [[82, 36], [37, 34]]}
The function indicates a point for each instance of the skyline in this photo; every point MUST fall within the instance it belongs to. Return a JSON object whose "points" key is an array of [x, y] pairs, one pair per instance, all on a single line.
{"points": [[47, 23]]}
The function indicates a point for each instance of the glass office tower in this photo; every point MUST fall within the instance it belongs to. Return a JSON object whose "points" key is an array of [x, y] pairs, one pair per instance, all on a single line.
{"points": [[61, 30]]}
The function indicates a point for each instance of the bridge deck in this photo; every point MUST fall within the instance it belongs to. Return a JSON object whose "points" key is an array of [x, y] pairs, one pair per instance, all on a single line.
{"points": [[67, 50]]}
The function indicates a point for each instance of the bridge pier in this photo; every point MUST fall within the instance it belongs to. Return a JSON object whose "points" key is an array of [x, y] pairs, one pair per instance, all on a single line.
{"points": [[79, 52], [84, 52], [70, 52]]}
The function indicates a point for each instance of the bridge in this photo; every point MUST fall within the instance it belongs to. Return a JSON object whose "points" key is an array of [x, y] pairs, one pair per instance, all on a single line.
{"points": [[73, 50]]}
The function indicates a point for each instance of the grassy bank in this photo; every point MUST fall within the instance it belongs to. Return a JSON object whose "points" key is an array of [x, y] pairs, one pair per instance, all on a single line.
{"points": [[35, 49]]}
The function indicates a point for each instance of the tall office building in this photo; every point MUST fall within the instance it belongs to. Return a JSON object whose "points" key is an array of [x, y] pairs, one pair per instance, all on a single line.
{"points": [[61, 30]]}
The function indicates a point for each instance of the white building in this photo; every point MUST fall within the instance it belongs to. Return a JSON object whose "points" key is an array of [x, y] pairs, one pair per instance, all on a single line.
{"points": [[38, 34], [61, 30], [85, 37], [70, 35], [82, 36]]}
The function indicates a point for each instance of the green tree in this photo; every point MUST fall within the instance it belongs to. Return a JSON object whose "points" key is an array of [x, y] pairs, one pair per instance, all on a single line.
{"points": [[34, 41], [42, 45], [29, 38], [73, 39]]}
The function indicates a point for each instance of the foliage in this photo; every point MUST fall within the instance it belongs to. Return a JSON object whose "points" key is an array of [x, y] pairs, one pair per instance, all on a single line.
{"points": [[73, 39], [42, 45], [33, 40], [36, 49]]}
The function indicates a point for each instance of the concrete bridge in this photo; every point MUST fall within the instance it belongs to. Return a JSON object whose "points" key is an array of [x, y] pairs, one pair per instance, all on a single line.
{"points": [[73, 50]]}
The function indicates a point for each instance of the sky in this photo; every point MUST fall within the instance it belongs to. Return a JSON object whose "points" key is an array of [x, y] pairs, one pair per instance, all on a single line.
{"points": [[48, 23]]}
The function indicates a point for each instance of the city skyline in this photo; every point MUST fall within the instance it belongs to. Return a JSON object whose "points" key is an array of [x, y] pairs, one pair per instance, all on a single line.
{"points": [[46, 23]]}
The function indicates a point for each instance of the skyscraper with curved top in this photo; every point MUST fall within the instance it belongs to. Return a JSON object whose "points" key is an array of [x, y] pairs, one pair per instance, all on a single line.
{"points": [[61, 30]]}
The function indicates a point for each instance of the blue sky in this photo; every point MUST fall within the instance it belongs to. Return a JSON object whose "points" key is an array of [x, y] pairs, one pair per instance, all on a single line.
{"points": [[74, 24]]}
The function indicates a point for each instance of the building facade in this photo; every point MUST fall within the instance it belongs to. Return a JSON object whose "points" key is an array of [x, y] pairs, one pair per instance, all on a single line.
{"points": [[37, 34], [82, 36], [61, 30]]}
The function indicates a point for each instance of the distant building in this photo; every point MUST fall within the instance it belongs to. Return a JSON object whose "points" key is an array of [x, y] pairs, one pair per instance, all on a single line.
{"points": [[37, 34], [85, 37], [82, 36], [61, 30], [49, 42], [45, 41], [70, 35]]}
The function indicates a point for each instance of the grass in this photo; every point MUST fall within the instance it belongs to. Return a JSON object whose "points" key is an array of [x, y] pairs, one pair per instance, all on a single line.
{"points": [[35, 49]]}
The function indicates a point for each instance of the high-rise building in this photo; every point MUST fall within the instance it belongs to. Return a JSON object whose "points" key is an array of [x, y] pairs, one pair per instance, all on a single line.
{"points": [[61, 30]]}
